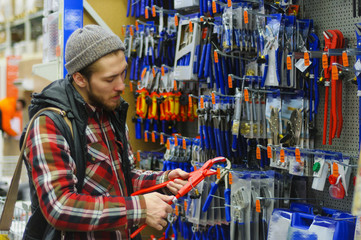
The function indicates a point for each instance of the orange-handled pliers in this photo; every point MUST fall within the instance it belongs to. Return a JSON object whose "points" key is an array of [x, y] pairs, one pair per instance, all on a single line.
{"points": [[194, 179]]}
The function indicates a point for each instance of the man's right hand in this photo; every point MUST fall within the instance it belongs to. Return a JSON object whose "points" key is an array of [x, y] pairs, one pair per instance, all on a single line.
{"points": [[157, 209]]}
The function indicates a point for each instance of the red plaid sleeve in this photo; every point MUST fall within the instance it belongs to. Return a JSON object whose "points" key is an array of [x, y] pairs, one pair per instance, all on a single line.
{"points": [[53, 173]]}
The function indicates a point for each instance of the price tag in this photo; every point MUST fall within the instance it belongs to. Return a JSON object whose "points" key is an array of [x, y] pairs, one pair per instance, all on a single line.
{"points": [[123, 30], [131, 31], [136, 25], [324, 61], [190, 101], [230, 178], [153, 72], [143, 73], [175, 140], [282, 155], [202, 102], [306, 57], [185, 205], [213, 98], [289, 63], [162, 70], [258, 206], [176, 20], [335, 172], [218, 173], [184, 144], [175, 85], [215, 56], [168, 144], [246, 95], [146, 13], [190, 26], [161, 139], [298, 155], [269, 151], [334, 72], [214, 7], [145, 136], [138, 156], [245, 15], [57, 51], [131, 86], [230, 82], [229, 3], [153, 137], [176, 211], [345, 59], [154, 13], [258, 153]]}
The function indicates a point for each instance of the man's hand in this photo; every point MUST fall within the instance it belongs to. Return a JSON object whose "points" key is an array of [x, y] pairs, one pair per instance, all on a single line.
{"points": [[177, 184], [157, 209]]}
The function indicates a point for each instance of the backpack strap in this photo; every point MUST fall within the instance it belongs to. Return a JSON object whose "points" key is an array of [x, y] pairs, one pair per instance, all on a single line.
{"points": [[11, 197]]}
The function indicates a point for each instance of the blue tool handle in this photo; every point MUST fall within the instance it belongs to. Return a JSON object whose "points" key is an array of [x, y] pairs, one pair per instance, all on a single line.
{"points": [[201, 135], [201, 64], [146, 124], [201, 9], [211, 137], [142, 8], [155, 128], [216, 76], [195, 66], [208, 201], [137, 10], [215, 130], [220, 76], [188, 59], [206, 137], [136, 69], [234, 143], [227, 196], [221, 143], [128, 7], [132, 8], [228, 146], [165, 165], [132, 67], [211, 77], [277, 61], [167, 231], [209, 7], [265, 72], [208, 60], [138, 129]]}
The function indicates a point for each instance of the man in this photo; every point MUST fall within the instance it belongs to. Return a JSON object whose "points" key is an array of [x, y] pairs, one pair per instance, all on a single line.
{"points": [[8, 108], [100, 207]]}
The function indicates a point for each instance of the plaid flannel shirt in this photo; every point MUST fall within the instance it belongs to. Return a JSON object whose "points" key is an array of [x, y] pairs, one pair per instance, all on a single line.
{"points": [[103, 209]]}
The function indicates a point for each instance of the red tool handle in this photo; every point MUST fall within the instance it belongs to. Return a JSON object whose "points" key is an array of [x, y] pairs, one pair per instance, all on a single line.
{"points": [[339, 109], [136, 232], [325, 114]]}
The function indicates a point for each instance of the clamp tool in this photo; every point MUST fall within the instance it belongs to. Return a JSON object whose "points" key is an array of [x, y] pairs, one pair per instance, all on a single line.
{"points": [[194, 179], [240, 203]]}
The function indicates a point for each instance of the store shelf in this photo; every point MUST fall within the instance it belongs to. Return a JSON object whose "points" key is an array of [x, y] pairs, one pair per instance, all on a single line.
{"points": [[49, 71]]}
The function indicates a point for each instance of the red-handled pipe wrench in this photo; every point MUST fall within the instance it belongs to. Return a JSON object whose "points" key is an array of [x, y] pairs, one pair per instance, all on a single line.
{"points": [[330, 43], [194, 179]]}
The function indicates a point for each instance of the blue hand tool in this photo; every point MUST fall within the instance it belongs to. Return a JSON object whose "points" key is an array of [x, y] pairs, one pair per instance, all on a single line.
{"points": [[214, 187], [314, 45]]}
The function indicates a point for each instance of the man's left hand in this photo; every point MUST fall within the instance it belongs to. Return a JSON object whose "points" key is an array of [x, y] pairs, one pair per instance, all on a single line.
{"points": [[178, 183]]}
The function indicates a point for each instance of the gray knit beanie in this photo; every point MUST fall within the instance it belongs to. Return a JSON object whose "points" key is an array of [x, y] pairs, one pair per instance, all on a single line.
{"points": [[88, 44]]}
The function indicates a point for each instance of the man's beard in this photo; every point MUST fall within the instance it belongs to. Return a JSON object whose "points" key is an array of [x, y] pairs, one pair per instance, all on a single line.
{"points": [[99, 102]]}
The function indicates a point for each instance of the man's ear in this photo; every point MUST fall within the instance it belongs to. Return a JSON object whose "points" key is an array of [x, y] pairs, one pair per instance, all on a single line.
{"points": [[80, 80]]}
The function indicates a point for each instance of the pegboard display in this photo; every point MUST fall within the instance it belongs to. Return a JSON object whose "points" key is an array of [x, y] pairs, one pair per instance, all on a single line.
{"points": [[333, 14]]}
